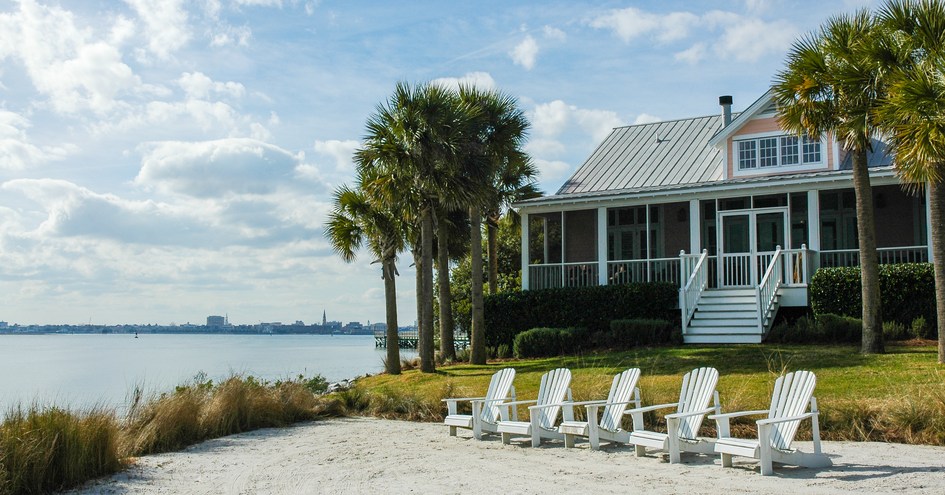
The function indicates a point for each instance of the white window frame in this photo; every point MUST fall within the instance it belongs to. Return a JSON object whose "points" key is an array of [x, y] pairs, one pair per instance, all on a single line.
{"points": [[760, 170]]}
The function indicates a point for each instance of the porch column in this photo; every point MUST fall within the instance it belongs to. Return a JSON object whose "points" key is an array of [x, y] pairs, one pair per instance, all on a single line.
{"points": [[813, 220], [602, 245], [928, 221], [695, 227], [525, 260]]}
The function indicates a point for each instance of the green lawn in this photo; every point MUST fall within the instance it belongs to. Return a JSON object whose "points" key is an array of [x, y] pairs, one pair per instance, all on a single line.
{"points": [[898, 396]]}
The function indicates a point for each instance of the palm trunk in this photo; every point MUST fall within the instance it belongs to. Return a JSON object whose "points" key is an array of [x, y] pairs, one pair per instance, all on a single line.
{"points": [[447, 348], [427, 364], [478, 337], [937, 238], [390, 296], [492, 227], [869, 262], [418, 279]]}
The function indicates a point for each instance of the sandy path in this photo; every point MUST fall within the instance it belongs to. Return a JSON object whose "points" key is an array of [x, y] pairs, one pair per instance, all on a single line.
{"points": [[363, 455]]}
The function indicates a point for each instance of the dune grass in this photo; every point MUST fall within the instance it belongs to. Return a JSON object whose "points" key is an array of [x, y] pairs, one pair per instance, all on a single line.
{"points": [[45, 449], [896, 397]]}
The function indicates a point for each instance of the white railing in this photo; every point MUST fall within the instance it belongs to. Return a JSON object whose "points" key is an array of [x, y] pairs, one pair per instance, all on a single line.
{"points": [[697, 278], [736, 269], [767, 290], [796, 266], [887, 256], [555, 275], [650, 270]]}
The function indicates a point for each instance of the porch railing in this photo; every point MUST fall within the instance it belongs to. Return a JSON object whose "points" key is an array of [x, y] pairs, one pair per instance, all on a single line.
{"points": [[650, 270], [767, 290], [556, 275], [796, 265], [736, 269], [887, 256], [696, 270]]}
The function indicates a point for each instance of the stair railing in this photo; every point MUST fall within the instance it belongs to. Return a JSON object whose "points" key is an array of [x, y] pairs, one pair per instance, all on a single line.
{"points": [[767, 290], [696, 277]]}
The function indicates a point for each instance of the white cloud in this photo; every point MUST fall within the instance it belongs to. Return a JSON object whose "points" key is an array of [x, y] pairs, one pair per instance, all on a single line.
{"points": [[645, 118], [525, 53], [16, 150], [550, 170], [750, 39], [545, 147], [693, 54], [554, 33], [631, 23], [551, 119], [231, 35], [259, 3], [598, 123], [166, 24], [341, 152], [198, 85], [481, 80], [218, 168]]}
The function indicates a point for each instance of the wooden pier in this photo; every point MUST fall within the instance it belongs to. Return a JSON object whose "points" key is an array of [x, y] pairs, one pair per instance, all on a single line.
{"points": [[410, 339]]}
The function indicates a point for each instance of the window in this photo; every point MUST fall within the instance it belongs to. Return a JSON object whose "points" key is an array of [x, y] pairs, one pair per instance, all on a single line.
{"points": [[746, 155], [778, 151]]}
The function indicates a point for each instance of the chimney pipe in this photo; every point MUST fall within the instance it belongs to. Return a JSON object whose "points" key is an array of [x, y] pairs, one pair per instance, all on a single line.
{"points": [[726, 102]]}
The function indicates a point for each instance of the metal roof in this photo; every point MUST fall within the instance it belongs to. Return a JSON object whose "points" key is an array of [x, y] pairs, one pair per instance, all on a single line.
{"points": [[660, 154]]}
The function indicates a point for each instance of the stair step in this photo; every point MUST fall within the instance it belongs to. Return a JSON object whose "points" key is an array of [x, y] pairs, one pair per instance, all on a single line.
{"points": [[749, 291], [727, 307], [728, 299], [720, 314], [722, 339], [722, 330], [725, 323]]}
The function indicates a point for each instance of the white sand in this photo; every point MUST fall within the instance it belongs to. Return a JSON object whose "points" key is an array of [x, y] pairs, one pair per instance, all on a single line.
{"points": [[372, 456]]}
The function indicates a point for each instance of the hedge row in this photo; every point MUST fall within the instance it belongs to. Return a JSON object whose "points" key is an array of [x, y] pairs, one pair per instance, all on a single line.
{"points": [[907, 292], [592, 308], [548, 342]]}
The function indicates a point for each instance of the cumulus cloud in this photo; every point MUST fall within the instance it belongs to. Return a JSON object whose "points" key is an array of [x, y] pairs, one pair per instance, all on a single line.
{"points": [[525, 53], [728, 35], [166, 24], [198, 85], [16, 150], [226, 34], [554, 33], [551, 119], [340, 151], [645, 118], [259, 3], [481, 80], [217, 168], [551, 170]]}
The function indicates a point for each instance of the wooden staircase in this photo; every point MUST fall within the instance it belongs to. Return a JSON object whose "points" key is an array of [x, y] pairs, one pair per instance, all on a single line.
{"points": [[727, 316]]}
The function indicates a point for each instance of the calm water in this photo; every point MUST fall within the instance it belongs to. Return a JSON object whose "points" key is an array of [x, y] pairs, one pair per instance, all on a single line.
{"points": [[83, 370]]}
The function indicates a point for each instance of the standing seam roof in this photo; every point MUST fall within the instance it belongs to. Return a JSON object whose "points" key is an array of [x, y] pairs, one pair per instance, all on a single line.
{"points": [[651, 155]]}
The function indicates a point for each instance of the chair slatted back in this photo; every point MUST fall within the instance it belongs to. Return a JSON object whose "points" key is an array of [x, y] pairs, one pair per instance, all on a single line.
{"points": [[499, 387], [620, 391], [552, 389], [698, 388], [791, 396]]}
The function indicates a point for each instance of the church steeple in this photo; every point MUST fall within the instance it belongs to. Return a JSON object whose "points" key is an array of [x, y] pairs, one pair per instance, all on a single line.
{"points": [[324, 319]]}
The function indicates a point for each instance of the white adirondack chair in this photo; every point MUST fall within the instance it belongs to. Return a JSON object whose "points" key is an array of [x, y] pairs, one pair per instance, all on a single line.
{"points": [[485, 410], [792, 394], [698, 388], [554, 386], [623, 391]]}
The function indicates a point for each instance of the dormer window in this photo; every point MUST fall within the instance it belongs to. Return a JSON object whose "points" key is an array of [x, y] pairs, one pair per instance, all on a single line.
{"points": [[769, 152]]}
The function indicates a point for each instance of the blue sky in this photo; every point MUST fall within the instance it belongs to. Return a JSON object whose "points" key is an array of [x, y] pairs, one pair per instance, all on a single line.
{"points": [[165, 160]]}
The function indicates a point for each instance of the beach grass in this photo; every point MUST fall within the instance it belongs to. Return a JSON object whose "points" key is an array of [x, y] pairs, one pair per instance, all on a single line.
{"points": [[897, 397]]}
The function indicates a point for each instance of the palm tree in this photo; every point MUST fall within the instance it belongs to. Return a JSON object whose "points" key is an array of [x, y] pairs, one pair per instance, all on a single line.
{"points": [[499, 137], [412, 147], [913, 116], [831, 84], [451, 238], [356, 220]]}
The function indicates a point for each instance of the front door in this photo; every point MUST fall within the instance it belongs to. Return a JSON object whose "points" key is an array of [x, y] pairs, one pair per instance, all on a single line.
{"points": [[748, 240]]}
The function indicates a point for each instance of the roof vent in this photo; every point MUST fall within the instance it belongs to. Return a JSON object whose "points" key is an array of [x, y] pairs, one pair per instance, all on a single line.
{"points": [[726, 102]]}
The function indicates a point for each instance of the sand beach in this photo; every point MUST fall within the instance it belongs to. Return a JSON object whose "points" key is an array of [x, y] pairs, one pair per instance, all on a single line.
{"points": [[371, 456]]}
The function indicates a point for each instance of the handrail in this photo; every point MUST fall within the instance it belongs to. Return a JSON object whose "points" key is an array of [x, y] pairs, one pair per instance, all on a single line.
{"points": [[696, 283], [767, 289]]}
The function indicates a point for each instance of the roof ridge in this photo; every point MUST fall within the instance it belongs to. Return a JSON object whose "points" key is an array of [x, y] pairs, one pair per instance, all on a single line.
{"points": [[672, 120]]}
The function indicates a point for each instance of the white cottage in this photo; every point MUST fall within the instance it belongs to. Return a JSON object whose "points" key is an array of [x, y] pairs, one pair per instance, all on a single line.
{"points": [[731, 207]]}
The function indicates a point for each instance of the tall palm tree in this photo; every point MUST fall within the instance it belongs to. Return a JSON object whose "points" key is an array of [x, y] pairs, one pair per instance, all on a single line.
{"points": [[355, 220], [412, 147], [451, 237], [913, 116], [500, 134], [831, 85]]}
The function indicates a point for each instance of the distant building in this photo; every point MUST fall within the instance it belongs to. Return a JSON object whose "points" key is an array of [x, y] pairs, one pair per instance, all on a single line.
{"points": [[216, 321]]}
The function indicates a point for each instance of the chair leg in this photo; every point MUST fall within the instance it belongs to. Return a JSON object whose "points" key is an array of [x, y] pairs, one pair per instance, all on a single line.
{"points": [[764, 438], [536, 439], [452, 431], [639, 450], [726, 460], [594, 437], [568, 441], [506, 438], [672, 430]]}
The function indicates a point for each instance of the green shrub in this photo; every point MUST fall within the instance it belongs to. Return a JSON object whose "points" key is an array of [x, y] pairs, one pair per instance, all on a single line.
{"points": [[546, 342], [638, 332], [893, 330], [592, 308], [825, 329], [920, 329], [907, 292]]}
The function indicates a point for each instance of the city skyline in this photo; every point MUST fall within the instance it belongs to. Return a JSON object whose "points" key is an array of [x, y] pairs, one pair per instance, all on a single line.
{"points": [[161, 159]]}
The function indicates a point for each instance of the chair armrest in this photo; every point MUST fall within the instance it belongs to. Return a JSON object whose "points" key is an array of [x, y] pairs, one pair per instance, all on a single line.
{"points": [[460, 399], [772, 421], [517, 402], [690, 413], [546, 406], [650, 408], [737, 414]]}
